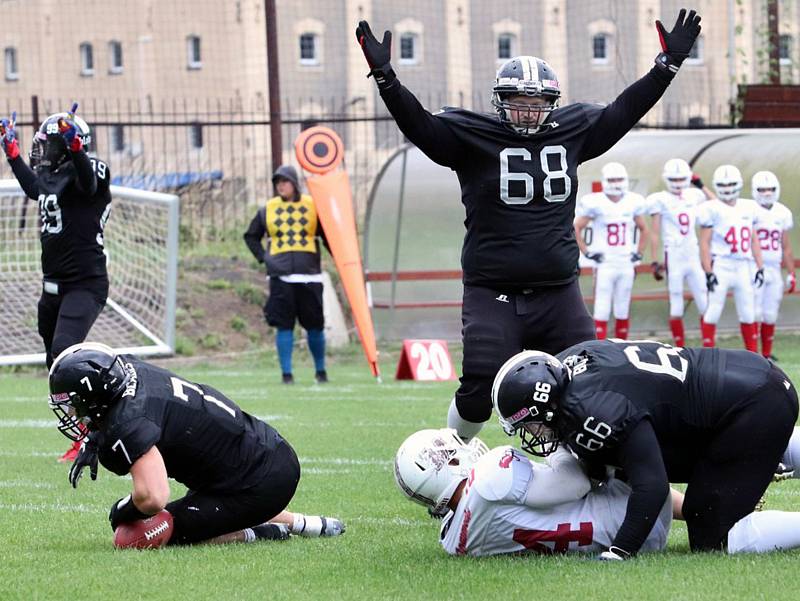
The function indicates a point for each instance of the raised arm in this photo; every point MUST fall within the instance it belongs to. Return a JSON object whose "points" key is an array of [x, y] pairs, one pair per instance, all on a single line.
{"points": [[430, 134], [621, 115], [24, 174]]}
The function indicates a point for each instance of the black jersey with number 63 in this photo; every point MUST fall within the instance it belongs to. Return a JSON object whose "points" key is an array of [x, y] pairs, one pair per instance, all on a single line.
{"points": [[206, 440], [72, 220], [686, 393], [519, 191]]}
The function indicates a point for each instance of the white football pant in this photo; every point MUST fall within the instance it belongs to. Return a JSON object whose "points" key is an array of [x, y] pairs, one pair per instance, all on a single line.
{"points": [[768, 297], [682, 265], [613, 281], [738, 275]]}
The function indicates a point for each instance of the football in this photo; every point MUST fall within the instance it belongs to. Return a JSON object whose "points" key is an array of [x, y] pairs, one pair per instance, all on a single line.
{"points": [[151, 533]]}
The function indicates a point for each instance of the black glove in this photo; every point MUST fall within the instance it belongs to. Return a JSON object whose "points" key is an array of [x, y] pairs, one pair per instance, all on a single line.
{"points": [[658, 270], [711, 281], [124, 512], [378, 54], [596, 257], [636, 257], [614, 554], [759, 279], [676, 44], [87, 456], [696, 181]]}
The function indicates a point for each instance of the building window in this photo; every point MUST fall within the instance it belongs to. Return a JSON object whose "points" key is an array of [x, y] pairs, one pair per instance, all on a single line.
{"points": [[408, 48], [696, 53], [12, 74], [784, 50], [196, 136], [600, 48], [115, 57], [87, 59], [117, 138], [194, 58], [505, 46], [308, 49]]}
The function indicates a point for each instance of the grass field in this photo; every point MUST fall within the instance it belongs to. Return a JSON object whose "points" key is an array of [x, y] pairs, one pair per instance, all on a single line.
{"points": [[55, 542]]}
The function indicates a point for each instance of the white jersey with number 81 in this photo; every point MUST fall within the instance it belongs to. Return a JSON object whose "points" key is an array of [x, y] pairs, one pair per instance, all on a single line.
{"points": [[613, 224]]}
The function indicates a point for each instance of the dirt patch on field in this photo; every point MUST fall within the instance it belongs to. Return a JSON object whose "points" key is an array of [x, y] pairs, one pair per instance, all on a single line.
{"points": [[220, 307]]}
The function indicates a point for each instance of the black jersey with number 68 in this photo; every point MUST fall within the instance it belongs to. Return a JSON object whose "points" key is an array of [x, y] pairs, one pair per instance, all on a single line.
{"points": [[686, 393], [206, 440], [519, 191]]}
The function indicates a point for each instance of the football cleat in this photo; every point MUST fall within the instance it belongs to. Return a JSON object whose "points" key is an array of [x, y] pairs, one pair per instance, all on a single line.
{"points": [[783, 472]]}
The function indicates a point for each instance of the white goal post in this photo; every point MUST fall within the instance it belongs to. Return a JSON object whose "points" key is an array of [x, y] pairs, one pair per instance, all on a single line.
{"points": [[141, 241]]}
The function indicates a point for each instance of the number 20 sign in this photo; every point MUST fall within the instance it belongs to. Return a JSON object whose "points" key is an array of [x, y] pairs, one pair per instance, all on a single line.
{"points": [[425, 360]]}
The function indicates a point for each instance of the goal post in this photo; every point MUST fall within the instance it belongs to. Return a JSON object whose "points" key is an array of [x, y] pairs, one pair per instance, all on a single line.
{"points": [[141, 242]]}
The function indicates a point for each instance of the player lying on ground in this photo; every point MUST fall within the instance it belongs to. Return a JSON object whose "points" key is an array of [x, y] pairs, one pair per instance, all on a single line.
{"points": [[152, 424], [719, 420], [500, 502]]}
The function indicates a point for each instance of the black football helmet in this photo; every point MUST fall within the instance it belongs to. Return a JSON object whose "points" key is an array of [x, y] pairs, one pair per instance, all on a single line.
{"points": [[85, 381], [49, 150], [526, 395], [526, 76]]}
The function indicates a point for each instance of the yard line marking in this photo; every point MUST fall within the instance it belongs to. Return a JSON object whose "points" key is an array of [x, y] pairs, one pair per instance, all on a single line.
{"points": [[344, 461], [24, 484], [396, 521], [30, 454], [28, 423], [36, 507]]}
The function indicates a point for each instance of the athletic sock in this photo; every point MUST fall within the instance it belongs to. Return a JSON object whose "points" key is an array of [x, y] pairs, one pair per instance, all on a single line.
{"points": [[316, 344], [791, 457], [749, 336], [266, 531], [764, 531], [601, 329], [465, 428], [284, 340], [621, 328], [767, 336], [709, 333], [676, 327]]}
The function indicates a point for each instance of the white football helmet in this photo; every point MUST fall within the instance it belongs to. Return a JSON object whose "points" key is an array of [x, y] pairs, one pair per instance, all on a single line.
{"points": [[430, 464], [615, 179], [766, 188], [727, 183], [677, 175]]}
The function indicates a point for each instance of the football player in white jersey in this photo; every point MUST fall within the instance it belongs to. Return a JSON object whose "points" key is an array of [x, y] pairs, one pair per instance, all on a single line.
{"points": [[615, 213], [727, 251], [673, 217], [774, 222], [499, 501]]}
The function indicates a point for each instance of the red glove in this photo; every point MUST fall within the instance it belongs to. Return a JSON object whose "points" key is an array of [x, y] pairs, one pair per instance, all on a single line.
{"points": [[9, 137]]}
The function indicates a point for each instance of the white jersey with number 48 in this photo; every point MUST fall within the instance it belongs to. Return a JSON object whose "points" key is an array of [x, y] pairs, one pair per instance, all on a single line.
{"points": [[492, 517], [732, 226]]}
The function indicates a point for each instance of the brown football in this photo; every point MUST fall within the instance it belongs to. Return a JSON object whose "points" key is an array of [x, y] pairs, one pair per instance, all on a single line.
{"points": [[150, 533]]}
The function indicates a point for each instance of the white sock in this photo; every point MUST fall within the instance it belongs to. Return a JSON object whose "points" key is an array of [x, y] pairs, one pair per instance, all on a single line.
{"points": [[249, 535], [765, 531], [307, 525], [465, 429], [791, 457]]}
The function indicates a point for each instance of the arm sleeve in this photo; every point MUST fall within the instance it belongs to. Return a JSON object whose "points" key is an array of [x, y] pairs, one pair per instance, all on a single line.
{"points": [[87, 180], [641, 459], [126, 443], [616, 119], [254, 234], [559, 481], [26, 177], [432, 135]]}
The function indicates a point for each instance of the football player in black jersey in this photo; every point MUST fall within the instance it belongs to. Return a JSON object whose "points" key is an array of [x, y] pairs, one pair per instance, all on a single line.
{"points": [[719, 420], [518, 176], [152, 424], [72, 190]]}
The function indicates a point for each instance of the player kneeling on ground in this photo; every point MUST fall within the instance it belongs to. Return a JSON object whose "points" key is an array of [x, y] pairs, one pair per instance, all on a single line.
{"points": [[500, 502], [720, 420], [147, 422]]}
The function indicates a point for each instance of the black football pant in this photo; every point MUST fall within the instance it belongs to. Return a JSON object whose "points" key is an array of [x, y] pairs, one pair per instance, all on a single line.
{"points": [[290, 302], [200, 515], [737, 466], [65, 318], [498, 325]]}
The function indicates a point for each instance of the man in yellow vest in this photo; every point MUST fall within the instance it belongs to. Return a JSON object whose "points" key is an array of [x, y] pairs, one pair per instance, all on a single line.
{"points": [[292, 256]]}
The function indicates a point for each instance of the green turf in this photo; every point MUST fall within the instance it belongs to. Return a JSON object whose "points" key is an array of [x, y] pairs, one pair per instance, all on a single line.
{"points": [[55, 542]]}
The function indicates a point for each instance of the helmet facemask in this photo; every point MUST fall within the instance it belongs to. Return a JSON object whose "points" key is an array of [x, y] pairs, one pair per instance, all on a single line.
{"points": [[49, 150], [525, 78], [614, 180], [766, 188], [727, 183], [524, 118], [677, 176], [74, 427]]}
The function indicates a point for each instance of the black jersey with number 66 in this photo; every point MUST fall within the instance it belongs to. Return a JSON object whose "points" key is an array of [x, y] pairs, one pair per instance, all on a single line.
{"points": [[207, 442], [687, 395]]}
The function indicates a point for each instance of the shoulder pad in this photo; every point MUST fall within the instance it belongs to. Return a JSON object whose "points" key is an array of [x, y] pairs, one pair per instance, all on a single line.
{"points": [[496, 472]]}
